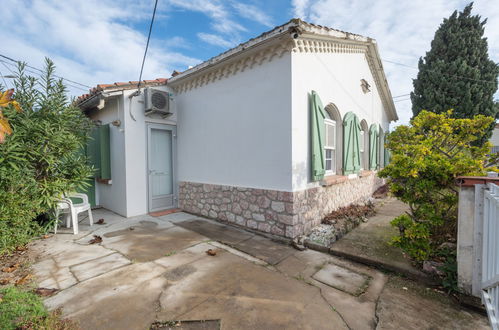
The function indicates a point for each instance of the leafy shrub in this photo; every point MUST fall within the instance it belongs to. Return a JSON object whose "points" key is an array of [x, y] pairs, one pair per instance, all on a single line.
{"points": [[426, 159], [449, 268], [39, 161], [414, 237]]}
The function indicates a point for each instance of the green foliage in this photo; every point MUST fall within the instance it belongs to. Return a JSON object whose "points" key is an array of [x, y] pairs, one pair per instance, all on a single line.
{"points": [[24, 310], [426, 159], [457, 72], [40, 160], [18, 306], [414, 237], [449, 268]]}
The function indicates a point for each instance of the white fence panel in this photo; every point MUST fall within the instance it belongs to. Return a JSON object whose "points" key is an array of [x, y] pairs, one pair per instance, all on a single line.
{"points": [[490, 260]]}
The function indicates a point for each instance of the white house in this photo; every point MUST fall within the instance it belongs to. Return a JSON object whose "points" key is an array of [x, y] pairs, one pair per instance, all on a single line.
{"points": [[271, 135]]}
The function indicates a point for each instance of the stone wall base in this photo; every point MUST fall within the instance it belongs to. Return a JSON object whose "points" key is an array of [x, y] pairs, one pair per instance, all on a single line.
{"points": [[281, 213]]}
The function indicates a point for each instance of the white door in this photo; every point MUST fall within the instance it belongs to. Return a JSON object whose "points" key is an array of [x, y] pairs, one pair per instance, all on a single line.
{"points": [[161, 167]]}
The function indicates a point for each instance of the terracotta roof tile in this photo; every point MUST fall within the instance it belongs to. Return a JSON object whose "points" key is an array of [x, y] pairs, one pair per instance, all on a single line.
{"points": [[119, 85]]}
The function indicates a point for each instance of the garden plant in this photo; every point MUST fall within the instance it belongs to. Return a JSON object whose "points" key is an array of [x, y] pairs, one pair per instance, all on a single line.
{"points": [[41, 136], [426, 158]]}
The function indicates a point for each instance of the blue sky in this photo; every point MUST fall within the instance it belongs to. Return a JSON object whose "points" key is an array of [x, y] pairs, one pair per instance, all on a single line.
{"points": [[102, 41]]}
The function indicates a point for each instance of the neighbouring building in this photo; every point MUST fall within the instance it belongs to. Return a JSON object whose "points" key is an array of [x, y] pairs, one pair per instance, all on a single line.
{"points": [[494, 139], [271, 135]]}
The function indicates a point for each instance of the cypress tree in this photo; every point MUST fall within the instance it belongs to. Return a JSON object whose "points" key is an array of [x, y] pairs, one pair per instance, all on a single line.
{"points": [[457, 72]]}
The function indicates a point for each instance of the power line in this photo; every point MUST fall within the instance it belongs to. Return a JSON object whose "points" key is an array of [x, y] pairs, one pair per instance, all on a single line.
{"points": [[400, 96], [4, 81], [147, 44], [32, 67], [445, 74], [37, 73]]}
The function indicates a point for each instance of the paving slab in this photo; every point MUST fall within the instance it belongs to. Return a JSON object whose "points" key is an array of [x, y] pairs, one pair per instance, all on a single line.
{"points": [[265, 249], [99, 266], [49, 275], [217, 232], [183, 282], [369, 243], [146, 242], [343, 279], [244, 296], [405, 304], [121, 299], [358, 312]]}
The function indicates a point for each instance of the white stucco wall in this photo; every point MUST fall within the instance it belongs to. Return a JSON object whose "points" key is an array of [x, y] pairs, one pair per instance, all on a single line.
{"points": [[113, 196], [236, 131], [336, 77], [127, 192], [136, 151]]}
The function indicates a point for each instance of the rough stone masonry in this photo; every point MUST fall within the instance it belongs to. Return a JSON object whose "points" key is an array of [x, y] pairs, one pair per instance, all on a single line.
{"points": [[281, 213]]}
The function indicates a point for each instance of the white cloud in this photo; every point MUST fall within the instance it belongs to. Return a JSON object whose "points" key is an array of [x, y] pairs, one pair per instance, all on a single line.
{"points": [[403, 30], [214, 39], [300, 8], [222, 22], [253, 13], [90, 41]]}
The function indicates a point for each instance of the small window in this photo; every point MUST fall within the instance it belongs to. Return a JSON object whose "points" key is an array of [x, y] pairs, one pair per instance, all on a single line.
{"points": [[330, 147]]}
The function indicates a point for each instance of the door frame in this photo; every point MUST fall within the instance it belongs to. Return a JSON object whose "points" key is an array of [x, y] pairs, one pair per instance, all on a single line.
{"points": [[173, 130]]}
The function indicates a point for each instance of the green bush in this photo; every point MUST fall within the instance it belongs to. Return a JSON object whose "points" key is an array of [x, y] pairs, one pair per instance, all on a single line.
{"points": [[414, 237], [39, 161], [426, 159]]}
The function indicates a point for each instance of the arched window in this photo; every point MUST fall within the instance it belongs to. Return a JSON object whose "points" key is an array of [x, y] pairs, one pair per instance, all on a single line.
{"points": [[364, 145], [333, 139], [351, 144], [373, 147]]}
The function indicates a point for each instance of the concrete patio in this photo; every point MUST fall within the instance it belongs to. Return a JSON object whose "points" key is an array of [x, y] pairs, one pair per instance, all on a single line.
{"points": [[149, 269]]}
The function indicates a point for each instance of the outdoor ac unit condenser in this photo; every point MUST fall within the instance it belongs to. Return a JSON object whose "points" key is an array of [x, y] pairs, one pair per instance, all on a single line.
{"points": [[157, 101]]}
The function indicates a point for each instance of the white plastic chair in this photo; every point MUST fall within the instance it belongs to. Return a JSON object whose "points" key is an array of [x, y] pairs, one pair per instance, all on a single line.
{"points": [[71, 210]]}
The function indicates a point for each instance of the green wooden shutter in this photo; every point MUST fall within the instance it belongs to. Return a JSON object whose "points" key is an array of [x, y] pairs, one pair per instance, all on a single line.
{"points": [[99, 152], [373, 147], [318, 136], [351, 146], [105, 152], [387, 153], [93, 151]]}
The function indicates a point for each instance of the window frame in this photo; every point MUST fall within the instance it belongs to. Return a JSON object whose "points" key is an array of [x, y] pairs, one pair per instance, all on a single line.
{"points": [[333, 148], [362, 147]]}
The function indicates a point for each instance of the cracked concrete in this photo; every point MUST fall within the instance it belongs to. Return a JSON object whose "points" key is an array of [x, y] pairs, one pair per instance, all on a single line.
{"points": [[149, 269]]}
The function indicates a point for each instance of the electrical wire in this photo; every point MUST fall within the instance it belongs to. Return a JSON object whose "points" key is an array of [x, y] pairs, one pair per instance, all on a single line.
{"points": [[4, 81], [147, 44], [445, 74], [4, 63], [401, 96], [40, 70]]}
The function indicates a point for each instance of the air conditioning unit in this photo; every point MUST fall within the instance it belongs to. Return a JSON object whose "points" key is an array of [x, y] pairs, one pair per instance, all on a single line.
{"points": [[157, 101]]}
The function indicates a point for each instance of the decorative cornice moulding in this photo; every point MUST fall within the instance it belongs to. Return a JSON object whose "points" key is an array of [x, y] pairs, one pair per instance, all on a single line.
{"points": [[229, 68]]}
